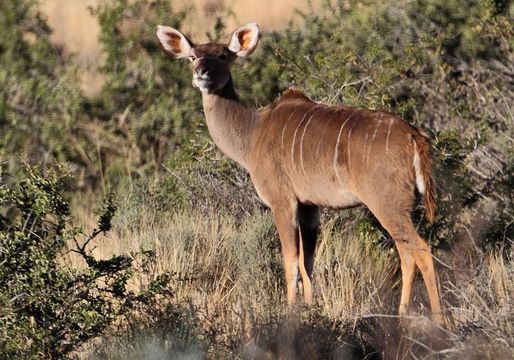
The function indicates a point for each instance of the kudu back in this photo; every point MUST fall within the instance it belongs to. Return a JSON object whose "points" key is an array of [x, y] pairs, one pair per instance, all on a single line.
{"points": [[302, 155]]}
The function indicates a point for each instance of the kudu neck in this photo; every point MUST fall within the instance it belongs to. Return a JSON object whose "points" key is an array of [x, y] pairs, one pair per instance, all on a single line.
{"points": [[228, 92], [230, 123]]}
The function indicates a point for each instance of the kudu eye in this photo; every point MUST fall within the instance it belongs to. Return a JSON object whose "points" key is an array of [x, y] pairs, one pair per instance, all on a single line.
{"points": [[192, 58]]}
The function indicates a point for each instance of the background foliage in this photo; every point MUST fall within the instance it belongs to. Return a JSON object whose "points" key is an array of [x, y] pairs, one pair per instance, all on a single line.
{"points": [[444, 66]]}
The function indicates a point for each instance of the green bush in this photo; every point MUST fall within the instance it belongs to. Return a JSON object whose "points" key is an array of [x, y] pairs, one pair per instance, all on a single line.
{"points": [[151, 94], [39, 99], [47, 308]]}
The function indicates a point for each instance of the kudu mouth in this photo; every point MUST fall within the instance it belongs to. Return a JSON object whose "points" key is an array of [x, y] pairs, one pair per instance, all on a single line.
{"points": [[204, 81]]}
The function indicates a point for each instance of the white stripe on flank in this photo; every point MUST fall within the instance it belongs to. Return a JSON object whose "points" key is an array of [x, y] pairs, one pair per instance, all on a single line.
{"points": [[372, 138], [279, 105], [389, 133], [299, 124], [420, 181], [364, 152], [348, 141], [337, 146], [301, 140], [321, 138], [285, 126]]}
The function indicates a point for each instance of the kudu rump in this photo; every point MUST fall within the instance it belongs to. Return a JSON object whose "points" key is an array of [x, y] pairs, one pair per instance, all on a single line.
{"points": [[302, 154]]}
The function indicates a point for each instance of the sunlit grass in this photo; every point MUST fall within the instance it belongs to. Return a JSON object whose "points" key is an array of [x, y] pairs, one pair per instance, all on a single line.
{"points": [[228, 273]]}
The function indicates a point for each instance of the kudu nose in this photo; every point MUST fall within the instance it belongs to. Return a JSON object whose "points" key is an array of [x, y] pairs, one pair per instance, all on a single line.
{"points": [[202, 72]]}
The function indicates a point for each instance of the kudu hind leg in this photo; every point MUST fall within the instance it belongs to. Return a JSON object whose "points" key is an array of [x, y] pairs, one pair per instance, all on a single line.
{"points": [[308, 217], [411, 246], [425, 262]]}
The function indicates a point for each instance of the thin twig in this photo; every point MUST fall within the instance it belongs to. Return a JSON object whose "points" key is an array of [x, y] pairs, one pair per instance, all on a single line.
{"points": [[420, 344]]}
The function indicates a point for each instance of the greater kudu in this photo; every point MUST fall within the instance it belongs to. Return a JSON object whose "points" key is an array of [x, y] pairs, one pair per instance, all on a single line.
{"points": [[302, 154]]}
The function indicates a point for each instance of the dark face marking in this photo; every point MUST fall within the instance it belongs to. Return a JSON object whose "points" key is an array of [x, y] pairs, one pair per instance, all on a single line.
{"points": [[211, 66]]}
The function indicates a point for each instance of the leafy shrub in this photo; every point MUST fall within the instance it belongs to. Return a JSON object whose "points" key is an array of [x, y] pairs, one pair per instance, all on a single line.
{"points": [[48, 308], [39, 101], [147, 100]]}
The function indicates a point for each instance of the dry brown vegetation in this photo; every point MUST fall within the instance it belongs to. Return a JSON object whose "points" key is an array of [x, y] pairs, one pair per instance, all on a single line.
{"points": [[228, 280]]}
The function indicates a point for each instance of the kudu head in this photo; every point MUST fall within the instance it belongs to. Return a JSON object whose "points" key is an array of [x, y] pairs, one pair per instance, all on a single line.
{"points": [[211, 62]]}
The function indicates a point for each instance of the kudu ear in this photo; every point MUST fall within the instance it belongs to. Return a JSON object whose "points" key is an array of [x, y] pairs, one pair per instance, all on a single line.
{"points": [[244, 39], [174, 43]]}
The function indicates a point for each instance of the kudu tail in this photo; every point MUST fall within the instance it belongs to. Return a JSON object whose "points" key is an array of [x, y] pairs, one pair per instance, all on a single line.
{"points": [[424, 179]]}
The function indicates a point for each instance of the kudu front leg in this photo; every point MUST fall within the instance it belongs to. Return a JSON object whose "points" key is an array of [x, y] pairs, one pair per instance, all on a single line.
{"points": [[287, 226]]}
